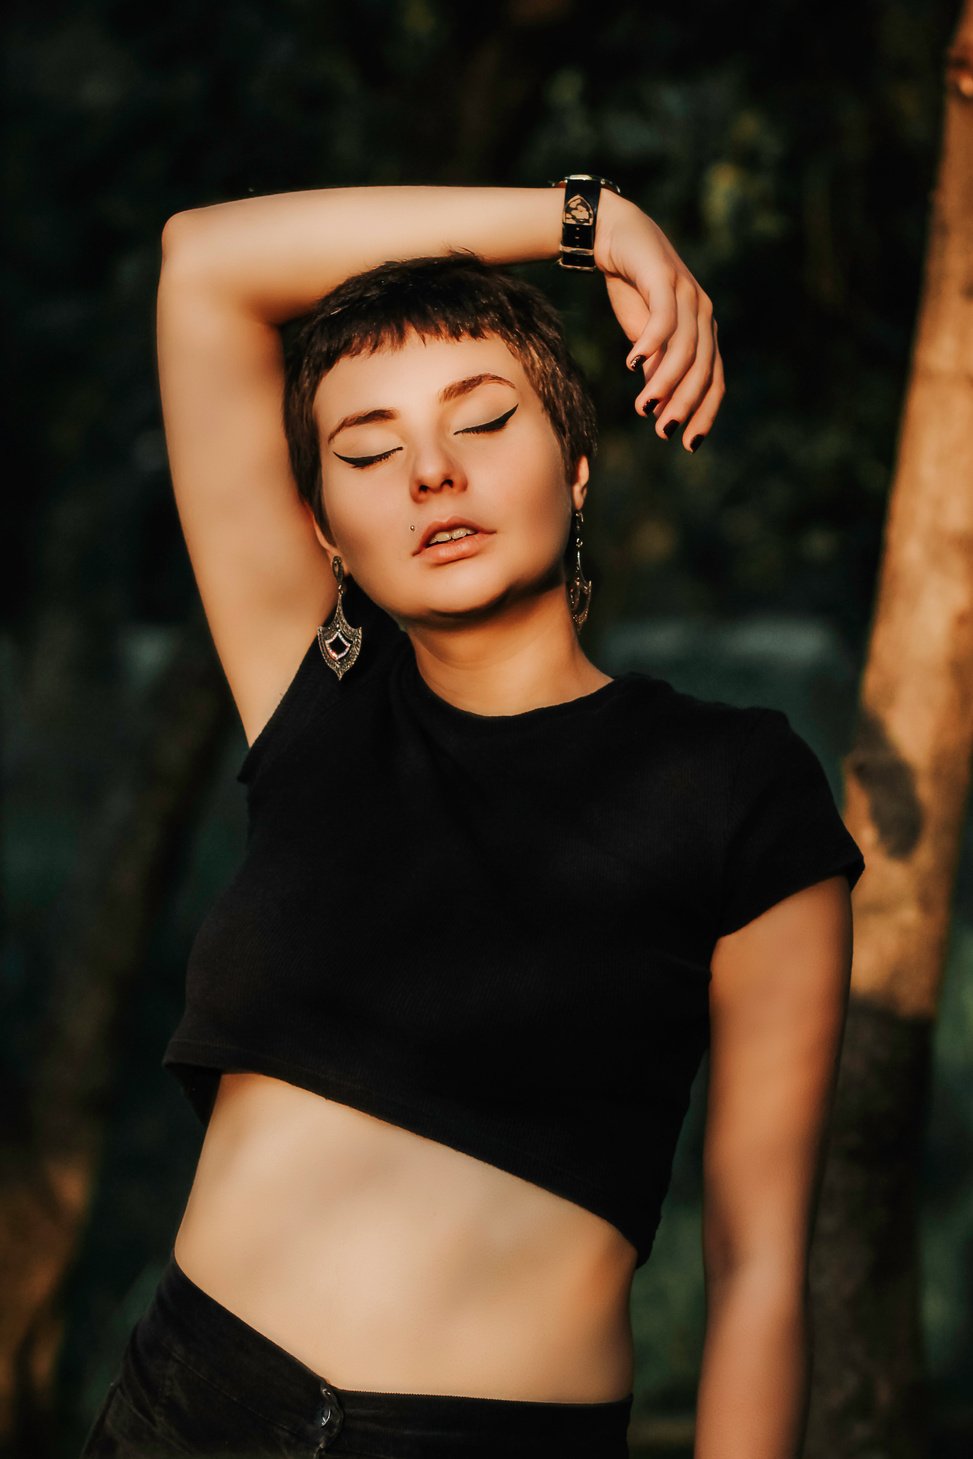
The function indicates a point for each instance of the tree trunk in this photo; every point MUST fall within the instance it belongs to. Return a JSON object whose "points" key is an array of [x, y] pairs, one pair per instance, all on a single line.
{"points": [[47, 1178], [907, 782]]}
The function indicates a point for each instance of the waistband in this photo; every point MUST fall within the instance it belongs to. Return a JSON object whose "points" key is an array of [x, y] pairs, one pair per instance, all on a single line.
{"points": [[273, 1383]]}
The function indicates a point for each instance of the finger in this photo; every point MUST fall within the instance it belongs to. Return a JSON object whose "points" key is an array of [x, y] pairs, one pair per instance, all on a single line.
{"points": [[681, 349], [688, 395], [645, 404], [661, 324], [701, 421]]}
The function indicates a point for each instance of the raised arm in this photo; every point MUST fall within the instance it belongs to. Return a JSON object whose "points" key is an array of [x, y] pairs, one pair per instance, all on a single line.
{"points": [[233, 272], [778, 997], [276, 255]]}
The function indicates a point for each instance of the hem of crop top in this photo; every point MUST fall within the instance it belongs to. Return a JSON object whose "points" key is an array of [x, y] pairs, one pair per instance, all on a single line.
{"points": [[441, 1129]]}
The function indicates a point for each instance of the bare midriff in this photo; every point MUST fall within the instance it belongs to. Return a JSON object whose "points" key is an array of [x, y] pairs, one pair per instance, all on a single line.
{"points": [[389, 1262]]}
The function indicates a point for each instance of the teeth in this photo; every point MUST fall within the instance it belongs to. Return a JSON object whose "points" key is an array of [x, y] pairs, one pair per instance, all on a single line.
{"points": [[451, 536]]}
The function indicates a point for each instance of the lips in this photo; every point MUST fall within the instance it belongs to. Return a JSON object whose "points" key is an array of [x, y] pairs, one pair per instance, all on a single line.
{"points": [[448, 526]]}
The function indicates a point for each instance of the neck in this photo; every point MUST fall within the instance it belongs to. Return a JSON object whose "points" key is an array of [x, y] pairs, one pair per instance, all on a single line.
{"points": [[522, 657]]}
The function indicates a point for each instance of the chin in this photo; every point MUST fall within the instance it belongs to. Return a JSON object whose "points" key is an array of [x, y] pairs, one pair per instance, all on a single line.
{"points": [[510, 597]]}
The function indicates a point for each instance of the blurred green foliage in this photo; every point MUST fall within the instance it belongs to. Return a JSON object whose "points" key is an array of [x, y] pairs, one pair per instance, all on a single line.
{"points": [[788, 152], [790, 164]]}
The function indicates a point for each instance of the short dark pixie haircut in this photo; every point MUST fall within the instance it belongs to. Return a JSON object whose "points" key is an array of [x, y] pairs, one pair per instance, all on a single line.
{"points": [[455, 295]]}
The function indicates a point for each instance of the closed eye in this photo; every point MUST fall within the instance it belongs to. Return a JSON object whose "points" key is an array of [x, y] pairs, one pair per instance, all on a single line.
{"points": [[366, 460], [492, 425]]}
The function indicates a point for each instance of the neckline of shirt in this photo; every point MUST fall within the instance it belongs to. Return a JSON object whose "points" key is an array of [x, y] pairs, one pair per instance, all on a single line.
{"points": [[468, 720]]}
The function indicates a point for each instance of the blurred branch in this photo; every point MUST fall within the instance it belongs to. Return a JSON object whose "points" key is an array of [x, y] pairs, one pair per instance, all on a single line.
{"points": [[124, 872]]}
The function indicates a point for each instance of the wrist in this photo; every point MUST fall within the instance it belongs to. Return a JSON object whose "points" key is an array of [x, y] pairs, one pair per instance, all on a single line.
{"points": [[612, 210]]}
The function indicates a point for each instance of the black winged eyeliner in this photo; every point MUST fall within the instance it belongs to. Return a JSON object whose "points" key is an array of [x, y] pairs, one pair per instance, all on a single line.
{"points": [[492, 425]]}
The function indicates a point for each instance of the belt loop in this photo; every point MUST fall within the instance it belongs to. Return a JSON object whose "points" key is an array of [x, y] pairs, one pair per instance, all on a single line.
{"points": [[331, 1417]]}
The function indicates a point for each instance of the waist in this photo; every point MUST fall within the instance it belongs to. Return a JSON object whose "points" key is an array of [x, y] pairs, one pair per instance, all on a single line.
{"points": [[389, 1261]]}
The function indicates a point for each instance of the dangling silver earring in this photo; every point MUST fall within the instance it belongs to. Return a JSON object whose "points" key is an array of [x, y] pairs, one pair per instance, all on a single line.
{"points": [[339, 642], [579, 588]]}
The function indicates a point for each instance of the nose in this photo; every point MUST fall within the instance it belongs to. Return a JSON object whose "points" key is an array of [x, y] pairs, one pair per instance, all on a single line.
{"points": [[435, 467]]}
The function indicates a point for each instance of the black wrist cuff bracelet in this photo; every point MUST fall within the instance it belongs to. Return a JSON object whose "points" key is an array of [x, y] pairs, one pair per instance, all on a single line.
{"points": [[582, 191]]}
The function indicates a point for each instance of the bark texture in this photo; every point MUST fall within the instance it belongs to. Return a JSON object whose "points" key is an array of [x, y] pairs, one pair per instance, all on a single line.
{"points": [[907, 783], [867, 1370]]}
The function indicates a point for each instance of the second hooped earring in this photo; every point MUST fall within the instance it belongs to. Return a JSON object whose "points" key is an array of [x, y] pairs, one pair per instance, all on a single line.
{"points": [[579, 588], [339, 642]]}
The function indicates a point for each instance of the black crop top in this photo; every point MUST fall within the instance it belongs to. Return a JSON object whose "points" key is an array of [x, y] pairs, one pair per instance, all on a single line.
{"points": [[496, 931]]}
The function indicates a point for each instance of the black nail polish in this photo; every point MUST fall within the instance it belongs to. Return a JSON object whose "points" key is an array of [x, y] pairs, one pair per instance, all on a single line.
{"points": [[670, 426], [696, 441], [639, 360], [649, 405]]}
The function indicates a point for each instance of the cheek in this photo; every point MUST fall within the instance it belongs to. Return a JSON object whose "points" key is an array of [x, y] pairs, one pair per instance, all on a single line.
{"points": [[540, 502], [360, 516]]}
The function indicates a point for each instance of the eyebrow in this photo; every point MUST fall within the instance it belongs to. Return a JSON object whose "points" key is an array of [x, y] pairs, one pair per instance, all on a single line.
{"points": [[448, 392]]}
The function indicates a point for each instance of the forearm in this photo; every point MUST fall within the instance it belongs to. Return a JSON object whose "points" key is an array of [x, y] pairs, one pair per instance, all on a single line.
{"points": [[276, 255], [754, 1376]]}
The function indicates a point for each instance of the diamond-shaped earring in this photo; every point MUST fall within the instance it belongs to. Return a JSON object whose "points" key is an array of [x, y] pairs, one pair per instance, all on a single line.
{"points": [[339, 642], [579, 588]]}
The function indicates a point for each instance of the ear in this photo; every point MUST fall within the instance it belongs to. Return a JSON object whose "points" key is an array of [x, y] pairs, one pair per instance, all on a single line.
{"points": [[330, 547], [579, 486]]}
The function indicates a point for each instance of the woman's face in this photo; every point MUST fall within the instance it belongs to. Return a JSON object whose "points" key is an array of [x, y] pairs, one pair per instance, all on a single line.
{"points": [[403, 446]]}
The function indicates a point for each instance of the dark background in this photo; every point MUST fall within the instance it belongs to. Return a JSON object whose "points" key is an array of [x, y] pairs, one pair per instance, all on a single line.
{"points": [[787, 151]]}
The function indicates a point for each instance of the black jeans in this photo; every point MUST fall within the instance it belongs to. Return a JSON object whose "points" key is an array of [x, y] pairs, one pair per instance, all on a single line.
{"points": [[196, 1379]]}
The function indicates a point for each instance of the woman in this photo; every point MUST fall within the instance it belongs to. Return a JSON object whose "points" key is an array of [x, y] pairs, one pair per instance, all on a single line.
{"points": [[442, 1026]]}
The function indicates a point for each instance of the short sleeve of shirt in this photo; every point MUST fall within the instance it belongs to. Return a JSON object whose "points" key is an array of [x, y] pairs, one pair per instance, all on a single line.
{"points": [[784, 830]]}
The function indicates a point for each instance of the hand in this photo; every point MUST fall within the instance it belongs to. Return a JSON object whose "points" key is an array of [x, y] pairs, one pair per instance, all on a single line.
{"points": [[667, 316]]}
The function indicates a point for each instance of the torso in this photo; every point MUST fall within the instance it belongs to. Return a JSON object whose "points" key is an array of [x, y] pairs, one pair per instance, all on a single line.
{"points": [[386, 1261]]}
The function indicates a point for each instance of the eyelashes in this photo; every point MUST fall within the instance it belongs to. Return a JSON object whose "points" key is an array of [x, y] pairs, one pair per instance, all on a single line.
{"points": [[363, 460], [487, 429], [491, 425]]}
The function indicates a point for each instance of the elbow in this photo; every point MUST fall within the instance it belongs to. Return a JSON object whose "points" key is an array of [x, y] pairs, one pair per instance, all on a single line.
{"points": [[774, 1257], [178, 230], [774, 1279]]}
